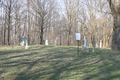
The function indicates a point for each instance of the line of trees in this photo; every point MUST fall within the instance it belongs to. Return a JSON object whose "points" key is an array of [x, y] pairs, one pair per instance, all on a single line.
{"points": [[56, 21]]}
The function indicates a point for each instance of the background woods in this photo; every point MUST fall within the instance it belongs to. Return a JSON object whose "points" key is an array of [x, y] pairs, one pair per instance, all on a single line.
{"points": [[56, 21]]}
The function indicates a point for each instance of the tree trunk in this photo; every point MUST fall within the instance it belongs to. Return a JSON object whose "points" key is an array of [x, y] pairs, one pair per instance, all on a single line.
{"points": [[115, 9], [69, 37], [104, 37], [108, 39], [4, 34], [29, 25], [116, 34], [9, 22], [60, 39], [8, 43], [41, 35]]}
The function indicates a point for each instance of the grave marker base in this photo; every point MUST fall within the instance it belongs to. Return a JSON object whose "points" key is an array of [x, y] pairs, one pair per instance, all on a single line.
{"points": [[85, 49], [26, 47]]}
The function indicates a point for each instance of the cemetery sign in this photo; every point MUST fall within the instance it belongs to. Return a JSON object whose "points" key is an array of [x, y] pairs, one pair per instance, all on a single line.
{"points": [[78, 36]]}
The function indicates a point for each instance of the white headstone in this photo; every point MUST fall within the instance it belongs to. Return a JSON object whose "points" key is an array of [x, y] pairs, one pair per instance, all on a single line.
{"points": [[23, 43], [26, 47], [78, 36], [46, 42], [100, 43], [85, 45], [97, 45], [55, 43]]}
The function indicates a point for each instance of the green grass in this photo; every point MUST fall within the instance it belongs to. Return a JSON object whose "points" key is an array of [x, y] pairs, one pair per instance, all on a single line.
{"points": [[58, 63]]}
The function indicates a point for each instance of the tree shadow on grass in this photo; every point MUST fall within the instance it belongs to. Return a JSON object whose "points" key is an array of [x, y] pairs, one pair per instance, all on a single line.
{"points": [[105, 73], [109, 69], [17, 59], [22, 76], [57, 62], [19, 52], [46, 58]]}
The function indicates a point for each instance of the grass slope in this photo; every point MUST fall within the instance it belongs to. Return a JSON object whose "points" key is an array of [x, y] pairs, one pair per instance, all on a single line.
{"points": [[58, 63]]}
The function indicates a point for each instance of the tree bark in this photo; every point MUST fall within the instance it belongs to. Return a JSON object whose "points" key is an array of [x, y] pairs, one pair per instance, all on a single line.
{"points": [[9, 19], [108, 38], [104, 37], [116, 34], [9, 22], [41, 35], [69, 37], [115, 9], [28, 16]]}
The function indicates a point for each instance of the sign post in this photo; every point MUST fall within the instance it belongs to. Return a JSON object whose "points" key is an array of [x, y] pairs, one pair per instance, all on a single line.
{"points": [[93, 43], [78, 38]]}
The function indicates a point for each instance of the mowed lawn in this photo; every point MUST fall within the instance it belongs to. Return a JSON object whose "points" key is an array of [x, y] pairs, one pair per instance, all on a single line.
{"points": [[58, 63]]}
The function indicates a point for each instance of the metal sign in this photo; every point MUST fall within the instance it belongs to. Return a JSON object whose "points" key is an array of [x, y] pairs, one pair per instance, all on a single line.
{"points": [[78, 36]]}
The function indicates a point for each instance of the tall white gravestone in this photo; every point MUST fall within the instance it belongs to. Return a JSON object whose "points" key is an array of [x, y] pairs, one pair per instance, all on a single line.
{"points": [[23, 43], [46, 42], [24, 39], [55, 42], [85, 45], [26, 47], [84, 48], [97, 45], [100, 43]]}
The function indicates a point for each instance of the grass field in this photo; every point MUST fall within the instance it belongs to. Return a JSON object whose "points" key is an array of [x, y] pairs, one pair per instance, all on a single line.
{"points": [[58, 63]]}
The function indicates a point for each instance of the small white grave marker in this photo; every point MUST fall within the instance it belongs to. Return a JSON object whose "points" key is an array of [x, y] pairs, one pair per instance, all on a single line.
{"points": [[97, 45], [23, 43], [55, 42], [85, 45], [46, 42], [26, 47], [84, 48], [100, 43]]}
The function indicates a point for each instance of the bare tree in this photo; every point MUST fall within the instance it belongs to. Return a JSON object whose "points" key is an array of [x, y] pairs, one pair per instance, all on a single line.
{"points": [[17, 22], [40, 7], [71, 13], [9, 6]]}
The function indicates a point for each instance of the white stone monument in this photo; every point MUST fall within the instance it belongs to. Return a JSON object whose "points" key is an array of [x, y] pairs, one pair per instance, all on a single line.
{"points": [[97, 45], [100, 43], [55, 42], [85, 45], [26, 47], [23, 43], [46, 42], [84, 48]]}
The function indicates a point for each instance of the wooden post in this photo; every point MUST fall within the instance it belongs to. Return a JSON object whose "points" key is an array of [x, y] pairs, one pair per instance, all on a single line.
{"points": [[93, 43], [78, 49]]}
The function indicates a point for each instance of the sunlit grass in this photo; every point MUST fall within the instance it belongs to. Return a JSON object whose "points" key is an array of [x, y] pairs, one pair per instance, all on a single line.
{"points": [[58, 63]]}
